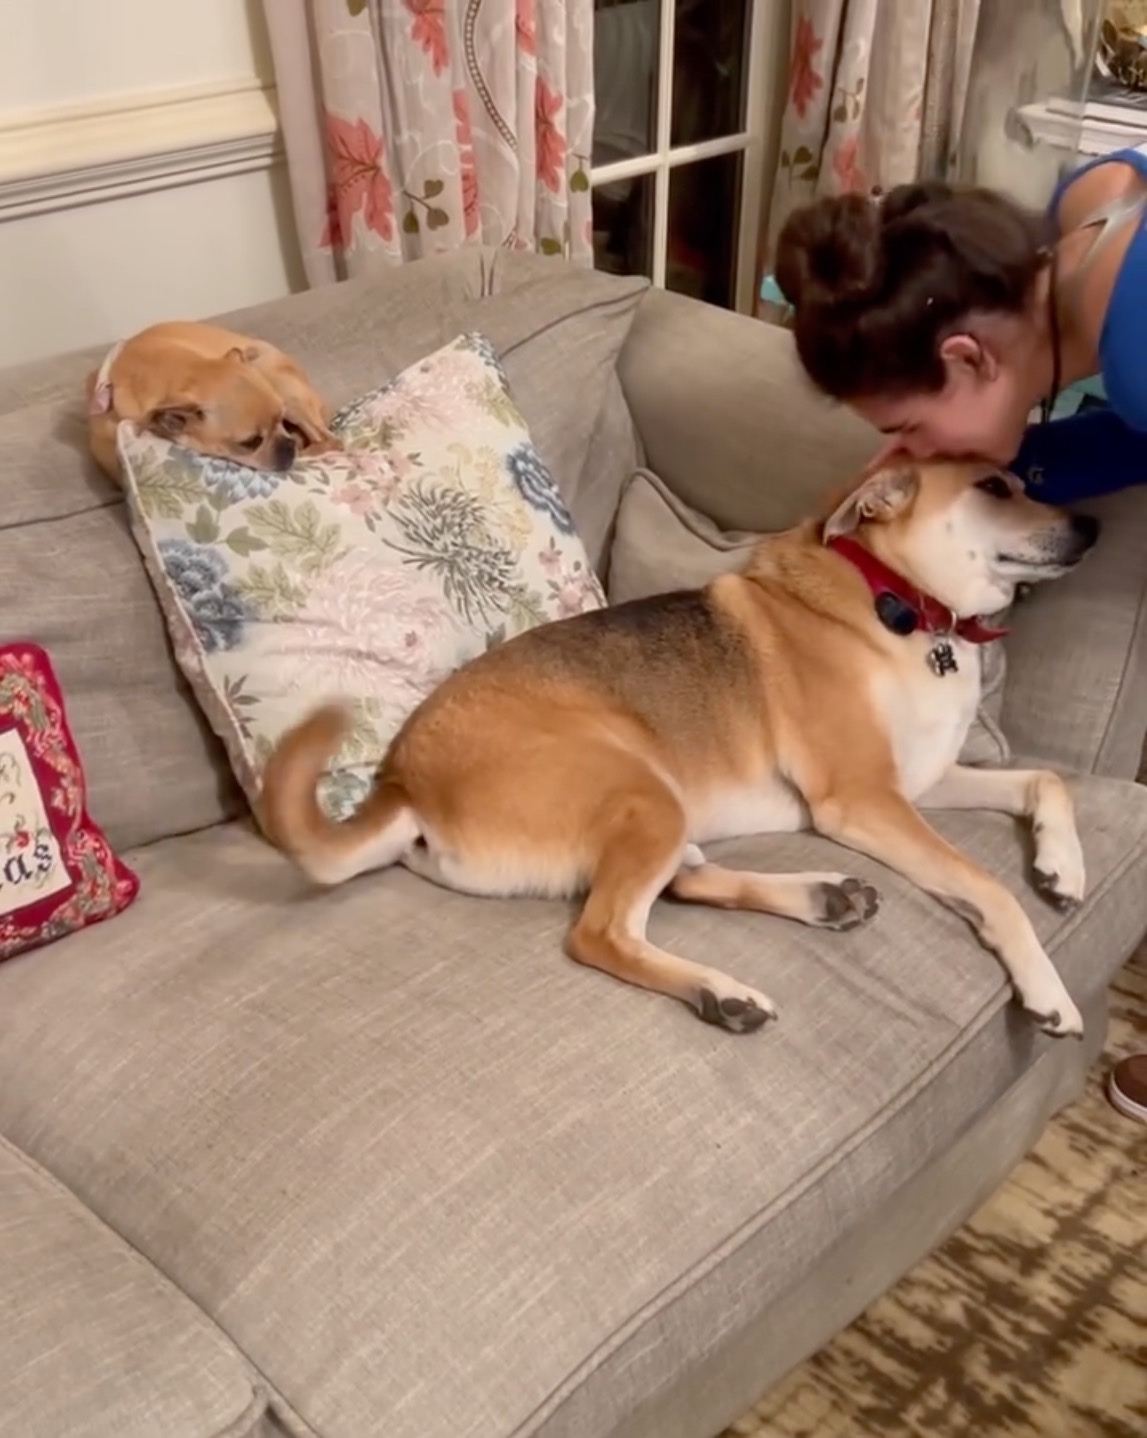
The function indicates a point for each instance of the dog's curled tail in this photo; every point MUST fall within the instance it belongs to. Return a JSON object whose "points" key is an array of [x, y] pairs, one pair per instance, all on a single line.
{"points": [[328, 851]]}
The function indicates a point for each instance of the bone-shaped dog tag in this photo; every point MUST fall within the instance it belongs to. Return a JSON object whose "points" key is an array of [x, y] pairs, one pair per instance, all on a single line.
{"points": [[942, 659]]}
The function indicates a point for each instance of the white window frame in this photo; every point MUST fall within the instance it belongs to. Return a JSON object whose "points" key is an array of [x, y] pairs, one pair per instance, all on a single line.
{"points": [[751, 142]]}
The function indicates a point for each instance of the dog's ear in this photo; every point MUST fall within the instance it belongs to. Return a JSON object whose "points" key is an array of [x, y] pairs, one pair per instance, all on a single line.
{"points": [[170, 420], [243, 356], [879, 499]]}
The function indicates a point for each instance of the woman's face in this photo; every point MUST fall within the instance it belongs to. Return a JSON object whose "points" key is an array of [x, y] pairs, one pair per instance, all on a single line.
{"points": [[982, 410]]}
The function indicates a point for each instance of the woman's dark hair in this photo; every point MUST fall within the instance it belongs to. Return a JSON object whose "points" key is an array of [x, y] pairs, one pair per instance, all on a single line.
{"points": [[877, 286]]}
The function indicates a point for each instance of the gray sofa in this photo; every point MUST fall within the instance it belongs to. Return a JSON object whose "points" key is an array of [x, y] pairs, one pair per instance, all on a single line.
{"points": [[380, 1161]]}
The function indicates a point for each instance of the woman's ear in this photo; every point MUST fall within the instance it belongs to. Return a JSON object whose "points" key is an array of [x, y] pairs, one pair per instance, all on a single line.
{"points": [[967, 353]]}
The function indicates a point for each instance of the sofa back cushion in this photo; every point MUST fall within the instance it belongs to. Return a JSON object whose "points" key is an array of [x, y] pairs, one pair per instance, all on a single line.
{"points": [[74, 584], [74, 580]]}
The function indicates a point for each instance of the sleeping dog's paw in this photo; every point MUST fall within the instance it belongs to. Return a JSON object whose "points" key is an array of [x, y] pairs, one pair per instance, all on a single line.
{"points": [[733, 1006], [1058, 873], [843, 903]]}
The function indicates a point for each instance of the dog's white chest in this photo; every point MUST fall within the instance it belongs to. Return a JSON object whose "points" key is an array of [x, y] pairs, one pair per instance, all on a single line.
{"points": [[928, 715]]}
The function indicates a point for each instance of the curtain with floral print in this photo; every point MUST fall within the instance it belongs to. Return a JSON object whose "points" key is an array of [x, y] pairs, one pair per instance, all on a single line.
{"points": [[415, 126], [875, 90]]}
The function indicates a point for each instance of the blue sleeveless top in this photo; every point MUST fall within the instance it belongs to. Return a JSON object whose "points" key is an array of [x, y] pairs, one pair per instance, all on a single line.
{"points": [[1102, 450]]}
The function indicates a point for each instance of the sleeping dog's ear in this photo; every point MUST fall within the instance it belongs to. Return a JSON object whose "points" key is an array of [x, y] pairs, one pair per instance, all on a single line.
{"points": [[877, 500], [171, 420]]}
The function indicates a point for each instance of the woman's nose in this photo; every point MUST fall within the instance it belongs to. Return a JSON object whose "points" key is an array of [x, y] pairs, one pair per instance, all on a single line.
{"points": [[919, 445]]}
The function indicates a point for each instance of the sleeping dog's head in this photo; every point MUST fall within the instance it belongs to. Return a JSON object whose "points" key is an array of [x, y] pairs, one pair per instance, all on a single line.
{"points": [[227, 408], [965, 533]]}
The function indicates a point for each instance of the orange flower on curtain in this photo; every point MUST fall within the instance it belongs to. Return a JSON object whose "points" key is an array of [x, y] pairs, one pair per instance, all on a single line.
{"points": [[524, 25], [407, 132], [551, 142], [465, 142], [359, 184], [429, 31], [846, 166], [804, 78]]}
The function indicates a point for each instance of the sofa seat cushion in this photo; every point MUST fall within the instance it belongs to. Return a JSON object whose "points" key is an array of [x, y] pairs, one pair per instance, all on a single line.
{"points": [[418, 1165], [95, 1342]]}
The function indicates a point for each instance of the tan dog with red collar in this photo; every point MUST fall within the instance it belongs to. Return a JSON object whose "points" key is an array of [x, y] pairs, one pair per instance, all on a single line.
{"points": [[830, 685], [214, 391]]}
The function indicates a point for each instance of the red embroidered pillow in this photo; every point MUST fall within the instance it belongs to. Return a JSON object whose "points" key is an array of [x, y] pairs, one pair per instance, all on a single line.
{"points": [[57, 873]]}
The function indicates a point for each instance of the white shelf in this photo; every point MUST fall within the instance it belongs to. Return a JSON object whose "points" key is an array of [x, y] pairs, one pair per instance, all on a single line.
{"points": [[1091, 129]]}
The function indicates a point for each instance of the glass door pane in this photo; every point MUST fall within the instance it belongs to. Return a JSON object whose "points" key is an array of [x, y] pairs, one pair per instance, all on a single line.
{"points": [[704, 220], [710, 69], [623, 226], [626, 44]]}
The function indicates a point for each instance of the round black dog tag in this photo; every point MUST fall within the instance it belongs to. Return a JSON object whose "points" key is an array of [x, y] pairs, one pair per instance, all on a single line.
{"points": [[895, 614]]}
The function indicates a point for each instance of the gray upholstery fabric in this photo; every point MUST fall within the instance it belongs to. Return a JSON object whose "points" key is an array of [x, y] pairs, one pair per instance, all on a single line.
{"points": [[422, 1168], [704, 1395], [73, 582], [727, 418], [659, 543], [1077, 679], [73, 578], [94, 1343]]}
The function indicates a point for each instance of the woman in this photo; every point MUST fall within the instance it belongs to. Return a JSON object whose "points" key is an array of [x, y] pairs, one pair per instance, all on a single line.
{"points": [[944, 316]]}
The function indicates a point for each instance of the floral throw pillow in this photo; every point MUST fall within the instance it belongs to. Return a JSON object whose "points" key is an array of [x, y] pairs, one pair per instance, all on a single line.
{"points": [[57, 873], [367, 573]]}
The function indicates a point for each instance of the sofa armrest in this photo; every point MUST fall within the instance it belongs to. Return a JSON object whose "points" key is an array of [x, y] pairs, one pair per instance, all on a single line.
{"points": [[727, 418], [1077, 655]]}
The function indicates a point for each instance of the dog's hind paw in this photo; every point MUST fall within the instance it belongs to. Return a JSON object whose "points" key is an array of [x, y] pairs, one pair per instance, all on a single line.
{"points": [[736, 1008], [843, 905]]}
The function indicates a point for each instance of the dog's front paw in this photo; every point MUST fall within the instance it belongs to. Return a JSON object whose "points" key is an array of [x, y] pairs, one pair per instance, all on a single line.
{"points": [[1048, 1004], [1058, 873], [843, 904], [733, 1006], [1063, 1021]]}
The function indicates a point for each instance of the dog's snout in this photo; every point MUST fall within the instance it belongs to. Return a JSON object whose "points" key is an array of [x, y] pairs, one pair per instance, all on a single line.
{"points": [[1085, 528], [283, 452]]}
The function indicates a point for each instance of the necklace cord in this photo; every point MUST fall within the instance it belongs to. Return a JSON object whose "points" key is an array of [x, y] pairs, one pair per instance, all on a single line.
{"points": [[1047, 406]]}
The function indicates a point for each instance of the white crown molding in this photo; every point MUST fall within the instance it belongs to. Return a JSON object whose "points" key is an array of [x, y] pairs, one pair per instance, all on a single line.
{"points": [[132, 144]]}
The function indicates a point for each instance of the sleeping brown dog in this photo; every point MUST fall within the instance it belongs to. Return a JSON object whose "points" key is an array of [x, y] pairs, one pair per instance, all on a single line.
{"points": [[214, 391]]}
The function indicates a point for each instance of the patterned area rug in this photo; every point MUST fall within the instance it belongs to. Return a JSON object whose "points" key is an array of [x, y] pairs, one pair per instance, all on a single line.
{"points": [[1031, 1322]]}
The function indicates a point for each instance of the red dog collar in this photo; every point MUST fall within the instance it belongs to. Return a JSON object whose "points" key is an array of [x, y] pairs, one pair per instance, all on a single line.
{"points": [[920, 611]]}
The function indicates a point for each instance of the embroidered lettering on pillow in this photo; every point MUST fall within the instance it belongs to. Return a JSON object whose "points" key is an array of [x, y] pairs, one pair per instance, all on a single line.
{"points": [[57, 872]]}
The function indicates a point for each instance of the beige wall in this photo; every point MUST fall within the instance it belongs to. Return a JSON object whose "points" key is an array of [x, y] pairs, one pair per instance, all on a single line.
{"points": [[140, 172]]}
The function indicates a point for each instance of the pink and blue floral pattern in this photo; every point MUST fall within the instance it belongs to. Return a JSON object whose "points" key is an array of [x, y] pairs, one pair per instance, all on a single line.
{"points": [[367, 573]]}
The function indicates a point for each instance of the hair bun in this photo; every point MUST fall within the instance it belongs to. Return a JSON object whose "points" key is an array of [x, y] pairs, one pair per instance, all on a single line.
{"points": [[830, 252], [902, 201]]}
